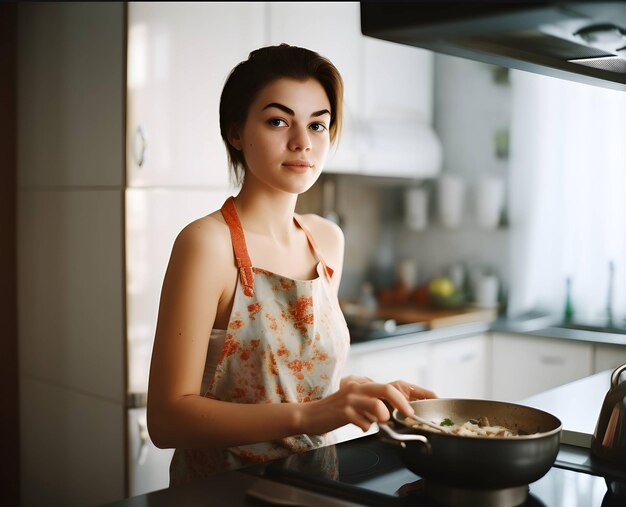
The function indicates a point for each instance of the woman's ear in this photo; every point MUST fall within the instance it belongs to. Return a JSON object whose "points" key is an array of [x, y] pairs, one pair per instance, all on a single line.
{"points": [[234, 137]]}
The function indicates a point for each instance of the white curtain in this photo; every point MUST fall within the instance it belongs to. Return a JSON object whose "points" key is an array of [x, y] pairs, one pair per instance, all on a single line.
{"points": [[567, 203]]}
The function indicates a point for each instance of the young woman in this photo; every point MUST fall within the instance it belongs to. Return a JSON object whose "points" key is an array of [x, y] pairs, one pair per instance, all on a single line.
{"points": [[250, 340]]}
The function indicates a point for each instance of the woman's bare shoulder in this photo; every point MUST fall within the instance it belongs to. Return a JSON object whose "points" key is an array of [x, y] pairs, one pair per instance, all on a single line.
{"points": [[207, 236], [328, 236], [321, 225]]}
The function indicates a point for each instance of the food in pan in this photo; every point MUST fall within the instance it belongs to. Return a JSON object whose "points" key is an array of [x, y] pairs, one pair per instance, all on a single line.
{"points": [[472, 428]]}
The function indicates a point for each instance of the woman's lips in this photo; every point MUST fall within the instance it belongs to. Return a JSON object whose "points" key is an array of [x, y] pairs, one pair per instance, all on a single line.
{"points": [[298, 166]]}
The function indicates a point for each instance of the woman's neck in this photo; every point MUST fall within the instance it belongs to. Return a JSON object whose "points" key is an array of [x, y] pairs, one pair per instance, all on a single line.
{"points": [[267, 213]]}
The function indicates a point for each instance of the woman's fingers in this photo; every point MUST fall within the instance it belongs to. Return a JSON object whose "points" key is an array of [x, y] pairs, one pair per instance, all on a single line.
{"points": [[371, 410], [412, 391], [419, 393], [386, 392], [362, 420], [365, 401], [354, 379]]}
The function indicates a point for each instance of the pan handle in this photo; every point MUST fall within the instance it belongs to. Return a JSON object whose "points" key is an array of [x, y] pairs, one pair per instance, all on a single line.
{"points": [[401, 439]]}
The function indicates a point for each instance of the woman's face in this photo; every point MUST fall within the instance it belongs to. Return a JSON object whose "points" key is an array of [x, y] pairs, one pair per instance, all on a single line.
{"points": [[285, 137]]}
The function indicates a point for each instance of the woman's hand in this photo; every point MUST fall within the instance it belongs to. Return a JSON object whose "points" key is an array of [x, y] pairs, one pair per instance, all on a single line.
{"points": [[412, 392], [359, 401]]}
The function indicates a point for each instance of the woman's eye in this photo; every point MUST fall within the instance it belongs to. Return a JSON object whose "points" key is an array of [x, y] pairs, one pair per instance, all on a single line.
{"points": [[318, 127], [276, 122]]}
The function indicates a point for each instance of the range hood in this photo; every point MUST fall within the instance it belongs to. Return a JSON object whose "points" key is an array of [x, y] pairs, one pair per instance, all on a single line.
{"points": [[577, 41]]}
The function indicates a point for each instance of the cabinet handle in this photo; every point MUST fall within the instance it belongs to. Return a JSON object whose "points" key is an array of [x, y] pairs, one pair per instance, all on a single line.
{"points": [[467, 357], [551, 360], [139, 146]]}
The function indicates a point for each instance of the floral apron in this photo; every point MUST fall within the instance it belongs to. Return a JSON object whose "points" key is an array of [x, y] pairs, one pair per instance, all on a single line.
{"points": [[286, 342]]}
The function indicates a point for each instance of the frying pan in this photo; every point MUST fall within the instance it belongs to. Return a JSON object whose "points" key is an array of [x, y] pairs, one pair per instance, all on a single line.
{"points": [[478, 462]]}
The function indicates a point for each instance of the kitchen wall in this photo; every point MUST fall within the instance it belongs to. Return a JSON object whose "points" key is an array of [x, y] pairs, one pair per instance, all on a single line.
{"points": [[70, 187], [472, 113]]}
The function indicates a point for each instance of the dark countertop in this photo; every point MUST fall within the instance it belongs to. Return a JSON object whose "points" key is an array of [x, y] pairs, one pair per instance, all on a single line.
{"points": [[229, 489], [530, 325]]}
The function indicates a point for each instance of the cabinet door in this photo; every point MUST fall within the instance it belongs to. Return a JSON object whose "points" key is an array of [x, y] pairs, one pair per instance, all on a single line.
{"points": [[397, 134], [459, 368], [526, 365], [399, 81], [179, 55], [399, 363], [608, 357], [333, 29]]}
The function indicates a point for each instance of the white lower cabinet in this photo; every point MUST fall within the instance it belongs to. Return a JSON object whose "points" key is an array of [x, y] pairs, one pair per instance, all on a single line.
{"points": [[459, 368], [407, 363], [499, 366], [608, 357], [525, 365]]}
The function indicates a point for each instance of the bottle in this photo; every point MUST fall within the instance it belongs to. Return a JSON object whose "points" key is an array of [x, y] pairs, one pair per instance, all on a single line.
{"points": [[569, 309], [368, 305], [609, 301]]}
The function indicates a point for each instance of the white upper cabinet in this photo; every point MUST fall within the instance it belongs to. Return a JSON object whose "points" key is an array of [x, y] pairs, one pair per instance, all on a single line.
{"points": [[399, 81], [179, 55], [388, 102], [397, 134], [334, 31]]}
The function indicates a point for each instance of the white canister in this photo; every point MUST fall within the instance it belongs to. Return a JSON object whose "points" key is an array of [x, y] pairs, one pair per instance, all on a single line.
{"points": [[489, 202], [416, 208], [487, 291], [406, 272], [451, 197], [456, 272]]}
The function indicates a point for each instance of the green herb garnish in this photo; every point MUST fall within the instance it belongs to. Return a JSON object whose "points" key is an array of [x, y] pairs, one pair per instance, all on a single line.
{"points": [[446, 422]]}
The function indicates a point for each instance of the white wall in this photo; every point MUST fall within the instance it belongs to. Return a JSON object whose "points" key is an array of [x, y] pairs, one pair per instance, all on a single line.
{"points": [[470, 107]]}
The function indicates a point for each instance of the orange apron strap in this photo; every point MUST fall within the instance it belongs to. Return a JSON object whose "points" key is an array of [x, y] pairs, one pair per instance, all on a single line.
{"points": [[229, 212], [327, 269]]}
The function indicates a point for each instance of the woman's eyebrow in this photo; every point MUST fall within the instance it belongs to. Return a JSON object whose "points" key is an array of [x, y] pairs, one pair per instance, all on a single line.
{"points": [[291, 112]]}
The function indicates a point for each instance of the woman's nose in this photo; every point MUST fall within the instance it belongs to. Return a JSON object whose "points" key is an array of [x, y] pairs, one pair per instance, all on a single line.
{"points": [[299, 139]]}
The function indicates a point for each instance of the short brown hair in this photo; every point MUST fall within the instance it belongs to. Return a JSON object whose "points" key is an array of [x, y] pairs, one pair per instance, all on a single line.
{"points": [[263, 66]]}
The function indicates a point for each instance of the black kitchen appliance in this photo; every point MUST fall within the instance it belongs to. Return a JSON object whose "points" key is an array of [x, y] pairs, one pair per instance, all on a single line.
{"points": [[374, 329], [367, 471], [577, 41]]}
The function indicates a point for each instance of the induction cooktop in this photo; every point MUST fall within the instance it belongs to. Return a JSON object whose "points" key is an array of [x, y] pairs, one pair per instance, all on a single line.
{"points": [[370, 472]]}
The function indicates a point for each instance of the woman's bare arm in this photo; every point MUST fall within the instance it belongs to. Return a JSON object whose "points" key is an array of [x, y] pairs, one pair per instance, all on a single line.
{"points": [[198, 281], [199, 273]]}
